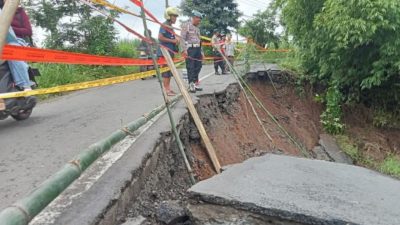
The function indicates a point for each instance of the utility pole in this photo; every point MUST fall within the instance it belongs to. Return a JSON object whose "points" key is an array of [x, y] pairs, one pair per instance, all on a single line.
{"points": [[6, 16], [166, 4]]}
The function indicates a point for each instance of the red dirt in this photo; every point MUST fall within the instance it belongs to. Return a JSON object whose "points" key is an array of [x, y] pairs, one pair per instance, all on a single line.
{"points": [[238, 136], [376, 143]]}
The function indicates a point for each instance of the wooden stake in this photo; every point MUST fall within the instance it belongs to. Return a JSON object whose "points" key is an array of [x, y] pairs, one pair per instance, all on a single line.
{"points": [[193, 111]]}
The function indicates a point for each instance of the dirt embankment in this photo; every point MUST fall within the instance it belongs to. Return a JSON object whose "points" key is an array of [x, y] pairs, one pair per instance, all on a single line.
{"points": [[237, 136]]}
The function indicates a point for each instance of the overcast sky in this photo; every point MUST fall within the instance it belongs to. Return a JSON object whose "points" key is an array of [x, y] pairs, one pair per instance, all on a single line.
{"points": [[247, 7]]}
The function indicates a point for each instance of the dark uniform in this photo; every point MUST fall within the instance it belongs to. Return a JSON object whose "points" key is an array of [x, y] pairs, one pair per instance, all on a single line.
{"points": [[192, 43], [171, 47], [218, 48]]}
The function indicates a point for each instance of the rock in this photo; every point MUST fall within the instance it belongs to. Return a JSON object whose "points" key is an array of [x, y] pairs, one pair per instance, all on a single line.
{"points": [[170, 212], [301, 191], [193, 132], [320, 153], [207, 214], [332, 149], [139, 220]]}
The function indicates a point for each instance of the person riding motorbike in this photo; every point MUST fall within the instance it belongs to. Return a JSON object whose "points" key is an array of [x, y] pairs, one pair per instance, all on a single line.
{"points": [[14, 77]]}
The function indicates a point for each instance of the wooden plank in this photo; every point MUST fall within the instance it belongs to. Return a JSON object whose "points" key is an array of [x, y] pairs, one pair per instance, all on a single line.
{"points": [[189, 103]]}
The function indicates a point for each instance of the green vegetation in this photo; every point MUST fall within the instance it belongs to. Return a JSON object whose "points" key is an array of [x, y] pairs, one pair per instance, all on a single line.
{"points": [[127, 48], [72, 25], [350, 47], [218, 14], [390, 165], [262, 27], [351, 149], [61, 74], [385, 119]]}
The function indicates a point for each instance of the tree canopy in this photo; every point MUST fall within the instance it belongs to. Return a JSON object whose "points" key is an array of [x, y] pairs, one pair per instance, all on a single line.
{"points": [[221, 15], [351, 46], [262, 27], [72, 25]]}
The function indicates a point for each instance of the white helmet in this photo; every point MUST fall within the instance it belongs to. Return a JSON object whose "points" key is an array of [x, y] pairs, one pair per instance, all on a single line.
{"points": [[171, 11]]}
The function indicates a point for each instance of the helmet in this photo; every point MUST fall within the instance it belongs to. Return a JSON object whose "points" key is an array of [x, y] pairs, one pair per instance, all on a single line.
{"points": [[196, 13], [171, 11]]}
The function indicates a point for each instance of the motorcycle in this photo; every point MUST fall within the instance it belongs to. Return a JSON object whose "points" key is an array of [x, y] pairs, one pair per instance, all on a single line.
{"points": [[143, 55], [18, 108]]}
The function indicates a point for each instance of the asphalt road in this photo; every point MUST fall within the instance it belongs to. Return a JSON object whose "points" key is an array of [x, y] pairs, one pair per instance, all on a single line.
{"points": [[32, 150]]}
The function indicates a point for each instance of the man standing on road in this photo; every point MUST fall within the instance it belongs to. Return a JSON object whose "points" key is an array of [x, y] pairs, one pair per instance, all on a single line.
{"points": [[191, 50], [167, 39], [218, 60], [229, 51]]}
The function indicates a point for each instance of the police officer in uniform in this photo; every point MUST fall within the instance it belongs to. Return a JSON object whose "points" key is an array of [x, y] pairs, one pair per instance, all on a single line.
{"points": [[191, 49]]}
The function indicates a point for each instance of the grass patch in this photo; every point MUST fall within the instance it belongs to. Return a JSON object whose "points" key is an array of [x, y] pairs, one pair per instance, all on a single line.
{"points": [[60, 74], [391, 166], [348, 147], [275, 57], [386, 119]]}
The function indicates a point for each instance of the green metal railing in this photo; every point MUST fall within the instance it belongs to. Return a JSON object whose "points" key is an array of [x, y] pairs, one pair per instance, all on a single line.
{"points": [[23, 211]]}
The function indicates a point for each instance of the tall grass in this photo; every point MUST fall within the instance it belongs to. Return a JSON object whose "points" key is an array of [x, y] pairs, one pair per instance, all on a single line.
{"points": [[127, 48], [60, 74]]}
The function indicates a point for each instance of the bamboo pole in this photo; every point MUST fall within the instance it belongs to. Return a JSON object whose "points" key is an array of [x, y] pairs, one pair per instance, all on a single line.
{"points": [[193, 112], [166, 100], [6, 16], [21, 212]]}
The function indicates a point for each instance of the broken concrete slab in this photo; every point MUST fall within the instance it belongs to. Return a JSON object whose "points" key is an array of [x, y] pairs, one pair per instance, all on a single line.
{"points": [[320, 153], [305, 191], [207, 214], [332, 149]]}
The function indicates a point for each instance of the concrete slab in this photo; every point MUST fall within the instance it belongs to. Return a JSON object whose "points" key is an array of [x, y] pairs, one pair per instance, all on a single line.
{"points": [[332, 149], [305, 191], [256, 67]]}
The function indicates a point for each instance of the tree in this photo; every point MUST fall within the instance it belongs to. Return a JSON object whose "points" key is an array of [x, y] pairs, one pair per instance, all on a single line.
{"points": [[349, 46], [261, 28], [72, 25], [222, 15]]}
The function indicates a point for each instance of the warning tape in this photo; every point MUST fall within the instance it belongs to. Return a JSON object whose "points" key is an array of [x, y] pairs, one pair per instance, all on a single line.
{"points": [[119, 9], [83, 85], [29, 54], [89, 3]]}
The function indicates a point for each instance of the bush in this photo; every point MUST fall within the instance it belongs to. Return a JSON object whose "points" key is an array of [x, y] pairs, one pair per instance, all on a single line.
{"points": [[331, 118], [391, 166], [127, 48], [351, 46]]}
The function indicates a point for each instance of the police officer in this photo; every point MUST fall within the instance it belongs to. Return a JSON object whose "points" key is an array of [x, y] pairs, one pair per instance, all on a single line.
{"points": [[167, 39], [191, 50]]}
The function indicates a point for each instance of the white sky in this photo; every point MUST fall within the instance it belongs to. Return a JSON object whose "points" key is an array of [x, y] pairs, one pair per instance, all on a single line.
{"points": [[247, 7]]}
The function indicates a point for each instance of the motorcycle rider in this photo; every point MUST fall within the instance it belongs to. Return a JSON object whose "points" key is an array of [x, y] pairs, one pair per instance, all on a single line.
{"points": [[19, 69]]}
